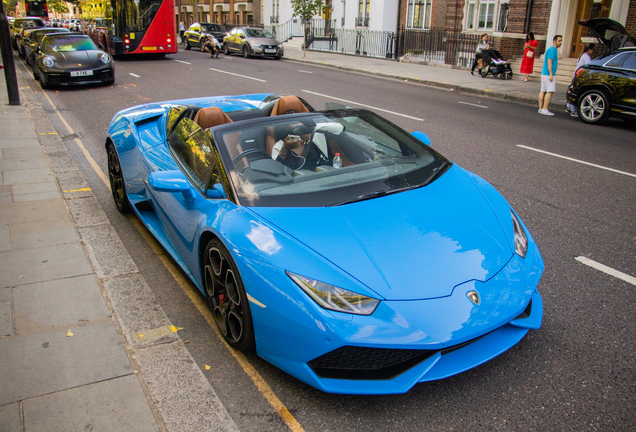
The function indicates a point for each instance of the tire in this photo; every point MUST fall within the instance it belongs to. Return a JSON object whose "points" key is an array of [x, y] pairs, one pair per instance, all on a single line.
{"points": [[36, 75], [594, 107], [187, 45], [43, 84], [277, 58], [509, 75], [201, 45], [117, 185], [226, 296], [246, 51], [226, 51], [484, 72]]}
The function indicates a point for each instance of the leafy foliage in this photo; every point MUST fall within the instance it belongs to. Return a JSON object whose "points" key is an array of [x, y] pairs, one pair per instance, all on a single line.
{"points": [[306, 9], [58, 6]]}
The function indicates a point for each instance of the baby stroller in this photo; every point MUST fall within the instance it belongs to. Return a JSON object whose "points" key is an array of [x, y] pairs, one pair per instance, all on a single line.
{"points": [[495, 65]]}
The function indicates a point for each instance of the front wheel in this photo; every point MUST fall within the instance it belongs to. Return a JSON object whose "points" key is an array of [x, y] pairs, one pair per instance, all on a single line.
{"points": [[593, 107], [36, 75], [116, 177], [187, 45], [226, 296], [246, 51]]}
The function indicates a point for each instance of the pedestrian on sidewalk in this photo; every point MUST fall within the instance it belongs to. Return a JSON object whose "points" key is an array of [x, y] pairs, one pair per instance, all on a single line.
{"points": [[181, 30], [483, 45], [585, 58], [529, 51], [548, 75]]}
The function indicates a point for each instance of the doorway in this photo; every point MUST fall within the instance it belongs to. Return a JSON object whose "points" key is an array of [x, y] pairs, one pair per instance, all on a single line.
{"points": [[586, 9]]}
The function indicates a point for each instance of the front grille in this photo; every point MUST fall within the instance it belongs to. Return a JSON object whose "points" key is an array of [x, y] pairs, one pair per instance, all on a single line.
{"points": [[363, 363]]}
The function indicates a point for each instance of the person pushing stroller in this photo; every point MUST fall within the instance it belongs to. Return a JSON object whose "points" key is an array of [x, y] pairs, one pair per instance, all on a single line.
{"points": [[483, 45]]}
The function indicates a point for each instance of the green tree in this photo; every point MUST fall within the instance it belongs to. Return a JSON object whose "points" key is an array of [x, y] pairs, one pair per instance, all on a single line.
{"points": [[9, 7], [305, 10], [58, 6]]}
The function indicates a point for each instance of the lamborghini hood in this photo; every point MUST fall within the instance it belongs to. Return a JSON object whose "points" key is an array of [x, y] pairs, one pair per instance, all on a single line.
{"points": [[413, 245]]}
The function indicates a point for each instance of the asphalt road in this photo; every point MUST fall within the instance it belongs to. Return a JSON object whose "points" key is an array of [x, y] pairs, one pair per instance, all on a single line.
{"points": [[576, 373]]}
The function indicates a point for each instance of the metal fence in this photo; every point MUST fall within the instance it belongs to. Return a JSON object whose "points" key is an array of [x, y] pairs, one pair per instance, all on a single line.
{"points": [[294, 27], [370, 43], [438, 46]]}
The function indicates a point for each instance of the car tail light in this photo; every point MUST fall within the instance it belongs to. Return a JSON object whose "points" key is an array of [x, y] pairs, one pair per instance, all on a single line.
{"points": [[127, 41], [168, 40]]}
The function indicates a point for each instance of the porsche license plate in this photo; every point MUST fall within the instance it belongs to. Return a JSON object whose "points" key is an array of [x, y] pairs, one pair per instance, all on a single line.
{"points": [[81, 73], [270, 51], [149, 48]]}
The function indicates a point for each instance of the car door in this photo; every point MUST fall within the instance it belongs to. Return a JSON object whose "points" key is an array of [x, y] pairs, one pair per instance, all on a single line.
{"points": [[628, 82], [184, 212], [230, 40], [240, 39], [195, 35]]}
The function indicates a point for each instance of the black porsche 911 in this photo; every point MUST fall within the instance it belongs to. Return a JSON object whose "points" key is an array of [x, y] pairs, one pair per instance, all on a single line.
{"points": [[72, 59]]}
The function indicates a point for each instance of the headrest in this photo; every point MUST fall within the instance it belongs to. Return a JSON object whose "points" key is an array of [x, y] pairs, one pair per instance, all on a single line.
{"points": [[287, 103], [210, 117]]}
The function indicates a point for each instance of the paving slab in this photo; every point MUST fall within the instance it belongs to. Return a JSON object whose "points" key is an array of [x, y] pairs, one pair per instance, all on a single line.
{"points": [[87, 212], [95, 407], [5, 193], [42, 264], [6, 319], [19, 143], [137, 311], [181, 393], [41, 363], [10, 418], [23, 163], [37, 175], [16, 153], [73, 185], [61, 161], [106, 251], [19, 130], [32, 235], [32, 211], [5, 244], [54, 303]]}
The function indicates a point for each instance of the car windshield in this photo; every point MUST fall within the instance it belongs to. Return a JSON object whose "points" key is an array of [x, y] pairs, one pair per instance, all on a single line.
{"points": [[259, 33], [66, 44], [323, 159], [212, 27]]}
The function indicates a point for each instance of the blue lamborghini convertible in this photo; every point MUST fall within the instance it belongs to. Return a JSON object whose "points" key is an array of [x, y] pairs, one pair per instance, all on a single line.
{"points": [[346, 251]]}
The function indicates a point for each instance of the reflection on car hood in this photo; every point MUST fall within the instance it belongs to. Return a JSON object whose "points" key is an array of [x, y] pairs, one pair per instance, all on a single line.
{"points": [[413, 245], [263, 41], [76, 60]]}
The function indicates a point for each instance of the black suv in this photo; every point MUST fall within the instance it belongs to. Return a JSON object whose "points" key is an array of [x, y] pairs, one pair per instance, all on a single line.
{"points": [[197, 32], [607, 85], [21, 23]]}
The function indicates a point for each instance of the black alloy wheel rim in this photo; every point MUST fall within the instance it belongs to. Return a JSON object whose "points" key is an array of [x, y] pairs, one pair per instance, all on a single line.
{"points": [[116, 178], [224, 296]]}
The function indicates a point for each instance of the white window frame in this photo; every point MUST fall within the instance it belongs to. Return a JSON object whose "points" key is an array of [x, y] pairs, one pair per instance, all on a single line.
{"points": [[364, 11], [473, 23], [426, 7]]}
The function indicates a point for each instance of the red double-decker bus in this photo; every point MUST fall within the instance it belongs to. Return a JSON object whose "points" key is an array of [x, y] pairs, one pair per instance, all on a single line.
{"points": [[36, 8], [137, 27]]}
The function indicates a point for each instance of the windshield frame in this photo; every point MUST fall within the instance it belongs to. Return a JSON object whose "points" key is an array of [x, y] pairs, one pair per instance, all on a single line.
{"points": [[355, 191], [53, 38]]}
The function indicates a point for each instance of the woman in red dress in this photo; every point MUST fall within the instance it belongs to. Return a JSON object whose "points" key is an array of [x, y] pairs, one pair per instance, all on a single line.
{"points": [[529, 51]]}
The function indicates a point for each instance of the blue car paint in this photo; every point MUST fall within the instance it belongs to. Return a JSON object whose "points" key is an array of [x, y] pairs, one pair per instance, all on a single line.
{"points": [[290, 328]]}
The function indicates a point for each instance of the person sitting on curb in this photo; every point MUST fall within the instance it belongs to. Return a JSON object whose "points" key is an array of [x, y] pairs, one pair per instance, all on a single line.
{"points": [[211, 45], [483, 45], [548, 78]]}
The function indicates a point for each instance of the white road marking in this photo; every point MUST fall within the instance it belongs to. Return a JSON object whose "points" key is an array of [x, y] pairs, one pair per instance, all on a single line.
{"points": [[578, 161], [605, 269], [472, 104], [242, 76], [136, 76], [181, 61], [304, 71], [363, 105]]}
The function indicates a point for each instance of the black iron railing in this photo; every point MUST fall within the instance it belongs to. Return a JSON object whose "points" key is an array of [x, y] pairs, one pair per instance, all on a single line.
{"points": [[438, 46]]}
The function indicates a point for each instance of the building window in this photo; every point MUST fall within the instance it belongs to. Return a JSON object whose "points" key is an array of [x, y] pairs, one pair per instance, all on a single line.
{"points": [[364, 7], [481, 14], [419, 14]]}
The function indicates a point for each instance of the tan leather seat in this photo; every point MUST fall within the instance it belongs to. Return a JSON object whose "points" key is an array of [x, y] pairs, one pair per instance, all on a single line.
{"points": [[287, 103], [210, 117]]}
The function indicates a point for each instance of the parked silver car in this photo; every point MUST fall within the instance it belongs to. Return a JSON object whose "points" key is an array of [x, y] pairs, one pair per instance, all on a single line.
{"points": [[252, 42]]}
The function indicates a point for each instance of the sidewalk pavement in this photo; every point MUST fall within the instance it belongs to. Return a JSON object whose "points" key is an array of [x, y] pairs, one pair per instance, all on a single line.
{"points": [[73, 305], [458, 79]]}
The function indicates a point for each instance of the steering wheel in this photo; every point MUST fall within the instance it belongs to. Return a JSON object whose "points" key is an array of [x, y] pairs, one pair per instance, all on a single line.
{"points": [[248, 152]]}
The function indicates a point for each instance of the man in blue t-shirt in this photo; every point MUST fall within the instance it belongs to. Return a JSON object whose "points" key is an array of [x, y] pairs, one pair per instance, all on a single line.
{"points": [[548, 75]]}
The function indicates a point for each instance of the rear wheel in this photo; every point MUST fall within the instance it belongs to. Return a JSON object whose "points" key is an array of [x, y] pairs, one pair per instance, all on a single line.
{"points": [[226, 296], [226, 51], [593, 107], [509, 75], [201, 43], [484, 72], [246, 51], [116, 177]]}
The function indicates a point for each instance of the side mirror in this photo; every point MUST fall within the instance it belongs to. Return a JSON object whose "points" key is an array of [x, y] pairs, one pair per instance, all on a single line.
{"points": [[216, 192], [170, 181], [422, 137]]}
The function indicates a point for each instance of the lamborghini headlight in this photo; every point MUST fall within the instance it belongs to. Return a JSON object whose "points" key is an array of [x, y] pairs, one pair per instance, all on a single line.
{"points": [[105, 58], [334, 298], [521, 239], [48, 62]]}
